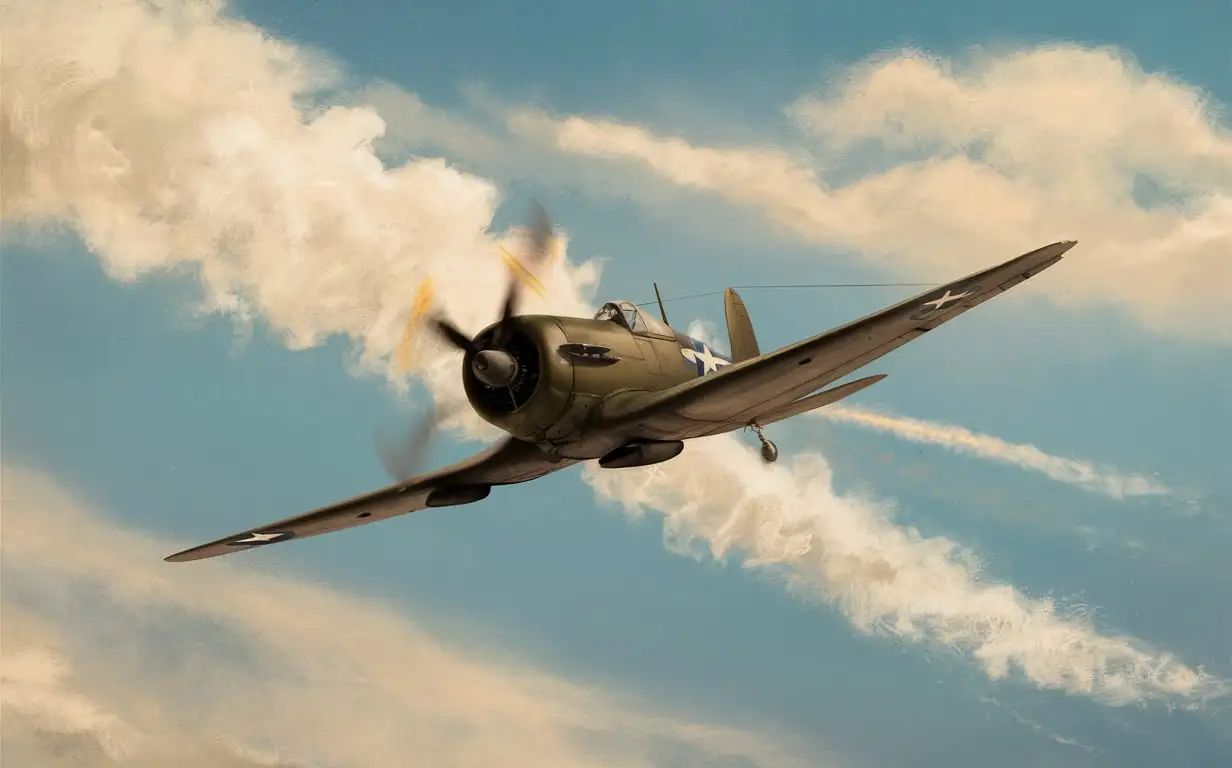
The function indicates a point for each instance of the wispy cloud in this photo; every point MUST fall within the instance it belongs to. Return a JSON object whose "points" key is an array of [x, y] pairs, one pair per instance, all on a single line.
{"points": [[109, 655], [1082, 474], [938, 166], [173, 140]]}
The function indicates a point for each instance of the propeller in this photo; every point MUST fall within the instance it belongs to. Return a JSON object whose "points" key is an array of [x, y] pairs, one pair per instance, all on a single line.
{"points": [[403, 455], [491, 364], [540, 239]]}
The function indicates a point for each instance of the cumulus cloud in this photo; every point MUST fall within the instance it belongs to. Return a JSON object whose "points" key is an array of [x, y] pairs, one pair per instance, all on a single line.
{"points": [[934, 166], [112, 658], [176, 138], [178, 141], [1082, 474]]}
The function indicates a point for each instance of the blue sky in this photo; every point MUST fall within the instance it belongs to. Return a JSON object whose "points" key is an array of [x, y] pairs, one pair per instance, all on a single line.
{"points": [[180, 428]]}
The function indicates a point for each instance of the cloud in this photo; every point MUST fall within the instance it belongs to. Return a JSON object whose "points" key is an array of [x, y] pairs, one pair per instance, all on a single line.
{"points": [[936, 167], [708, 331], [415, 125], [36, 694], [718, 498], [113, 657], [174, 140], [1081, 474]]}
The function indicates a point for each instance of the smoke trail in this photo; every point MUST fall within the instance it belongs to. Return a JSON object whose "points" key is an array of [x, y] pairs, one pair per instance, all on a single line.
{"points": [[887, 579], [173, 138], [1082, 474]]}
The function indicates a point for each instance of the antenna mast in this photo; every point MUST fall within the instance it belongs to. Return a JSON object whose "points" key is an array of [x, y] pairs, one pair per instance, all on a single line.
{"points": [[662, 311]]}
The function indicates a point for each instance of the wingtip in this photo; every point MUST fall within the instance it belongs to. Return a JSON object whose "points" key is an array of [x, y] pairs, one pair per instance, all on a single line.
{"points": [[184, 556], [867, 381]]}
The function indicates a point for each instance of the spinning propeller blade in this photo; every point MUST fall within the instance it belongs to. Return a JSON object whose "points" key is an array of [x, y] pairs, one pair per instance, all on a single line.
{"points": [[540, 239], [491, 364], [419, 310], [519, 270], [453, 335], [403, 456]]}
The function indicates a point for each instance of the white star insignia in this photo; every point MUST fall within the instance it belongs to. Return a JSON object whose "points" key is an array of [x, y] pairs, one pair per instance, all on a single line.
{"points": [[260, 538], [710, 362], [938, 303]]}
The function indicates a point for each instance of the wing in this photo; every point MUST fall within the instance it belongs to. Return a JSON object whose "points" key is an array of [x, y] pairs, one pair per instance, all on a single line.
{"points": [[819, 400], [510, 461], [771, 385]]}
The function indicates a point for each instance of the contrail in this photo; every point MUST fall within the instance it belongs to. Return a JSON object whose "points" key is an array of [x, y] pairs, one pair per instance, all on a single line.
{"points": [[175, 140], [1082, 474]]}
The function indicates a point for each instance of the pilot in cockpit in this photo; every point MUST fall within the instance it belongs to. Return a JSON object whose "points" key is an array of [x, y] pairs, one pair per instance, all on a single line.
{"points": [[628, 315]]}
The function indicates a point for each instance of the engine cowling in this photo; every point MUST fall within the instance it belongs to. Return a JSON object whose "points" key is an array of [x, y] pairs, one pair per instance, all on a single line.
{"points": [[541, 387]]}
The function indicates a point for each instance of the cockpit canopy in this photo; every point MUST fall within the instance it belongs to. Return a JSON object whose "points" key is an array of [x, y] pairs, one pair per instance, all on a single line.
{"points": [[632, 317]]}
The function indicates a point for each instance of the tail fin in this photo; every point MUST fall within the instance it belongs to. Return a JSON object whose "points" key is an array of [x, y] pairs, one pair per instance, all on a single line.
{"points": [[739, 328]]}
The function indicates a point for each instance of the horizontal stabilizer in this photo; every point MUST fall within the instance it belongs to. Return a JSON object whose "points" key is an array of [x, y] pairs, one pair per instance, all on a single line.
{"points": [[813, 402]]}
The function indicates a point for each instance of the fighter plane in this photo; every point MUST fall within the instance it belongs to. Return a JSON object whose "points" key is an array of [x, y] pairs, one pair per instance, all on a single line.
{"points": [[627, 389]]}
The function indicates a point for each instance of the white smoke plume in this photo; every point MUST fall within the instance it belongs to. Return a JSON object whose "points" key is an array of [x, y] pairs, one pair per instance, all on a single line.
{"points": [[172, 139], [1082, 474], [886, 578], [1107, 481], [265, 670]]}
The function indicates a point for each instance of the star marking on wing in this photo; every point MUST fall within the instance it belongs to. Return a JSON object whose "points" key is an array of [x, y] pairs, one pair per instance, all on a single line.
{"points": [[941, 301], [262, 538]]}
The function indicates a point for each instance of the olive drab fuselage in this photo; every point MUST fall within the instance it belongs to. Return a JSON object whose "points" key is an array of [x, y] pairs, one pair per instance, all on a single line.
{"points": [[577, 364]]}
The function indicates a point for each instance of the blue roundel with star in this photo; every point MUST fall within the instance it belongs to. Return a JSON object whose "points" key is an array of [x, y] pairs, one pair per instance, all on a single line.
{"points": [[703, 357], [259, 538]]}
